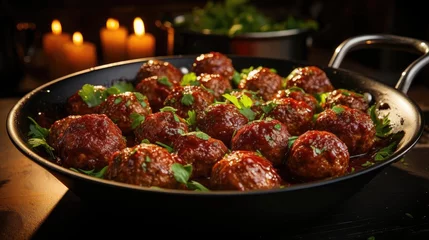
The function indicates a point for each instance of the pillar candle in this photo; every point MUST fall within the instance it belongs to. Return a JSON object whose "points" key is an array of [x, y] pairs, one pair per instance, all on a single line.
{"points": [[140, 44], [113, 41], [79, 54]]}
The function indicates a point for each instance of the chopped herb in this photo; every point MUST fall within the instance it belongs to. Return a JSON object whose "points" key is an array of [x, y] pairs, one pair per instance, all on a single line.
{"points": [[268, 107], [38, 136], [117, 100], [169, 149], [133, 151], [128, 103], [258, 152], [385, 152], [353, 170], [337, 109], [91, 96], [278, 126], [345, 93], [36, 131], [121, 86], [382, 126], [189, 79], [39, 142], [99, 174], [321, 97], [317, 151], [291, 141], [273, 70], [168, 109], [192, 118], [200, 135], [141, 98], [187, 99], [243, 104], [236, 78], [180, 131], [145, 141], [182, 174], [367, 164], [144, 166], [164, 81], [137, 119]]}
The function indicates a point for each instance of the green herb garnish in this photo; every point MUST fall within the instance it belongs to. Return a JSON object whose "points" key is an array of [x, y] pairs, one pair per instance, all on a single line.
{"points": [[164, 81], [192, 118], [291, 141], [169, 149], [91, 96], [137, 119], [187, 99], [182, 173], [99, 174], [382, 126], [38, 137], [243, 104], [189, 79], [337, 109]]}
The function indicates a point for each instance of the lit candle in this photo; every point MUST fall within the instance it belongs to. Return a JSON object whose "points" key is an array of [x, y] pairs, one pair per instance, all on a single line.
{"points": [[79, 54], [113, 41], [140, 44], [53, 49]]}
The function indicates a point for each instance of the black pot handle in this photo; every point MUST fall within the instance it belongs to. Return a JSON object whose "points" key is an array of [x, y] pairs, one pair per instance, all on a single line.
{"points": [[387, 41]]}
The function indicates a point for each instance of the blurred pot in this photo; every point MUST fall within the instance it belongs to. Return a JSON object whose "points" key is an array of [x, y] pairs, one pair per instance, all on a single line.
{"points": [[286, 44]]}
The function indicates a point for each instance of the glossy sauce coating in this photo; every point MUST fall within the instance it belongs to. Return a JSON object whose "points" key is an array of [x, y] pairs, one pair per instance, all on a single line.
{"points": [[268, 137], [58, 128], [296, 115], [317, 155], [213, 63], [185, 98], [201, 153], [143, 165], [89, 141], [354, 127], [243, 171], [220, 121], [76, 105], [123, 108], [263, 81], [156, 90], [161, 69], [216, 83], [347, 98], [162, 127], [311, 79], [299, 96]]}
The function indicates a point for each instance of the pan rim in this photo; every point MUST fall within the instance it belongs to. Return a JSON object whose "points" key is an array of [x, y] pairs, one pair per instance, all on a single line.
{"points": [[21, 145]]}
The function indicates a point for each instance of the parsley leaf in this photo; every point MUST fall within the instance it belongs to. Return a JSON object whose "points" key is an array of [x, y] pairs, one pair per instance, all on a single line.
{"points": [[164, 81], [243, 104], [189, 79], [367, 164], [145, 141], [278, 126], [187, 99], [168, 109], [99, 174], [121, 86], [291, 141], [337, 109], [141, 98], [199, 134], [91, 96], [40, 142], [117, 100], [236, 78], [192, 118], [182, 174], [38, 136], [385, 152], [137, 120], [169, 149], [317, 151], [382, 126], [36, 131], [268, 107]]}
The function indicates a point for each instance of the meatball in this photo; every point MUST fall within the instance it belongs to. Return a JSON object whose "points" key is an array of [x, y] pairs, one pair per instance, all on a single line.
{"points": [[156, 89], [296, 115], [346, 97], [243, 171], [126, 109], [317, 155], [162, 127], [200, 150], [161, 69], [220, 121], [216, 83], [299, 95], [186, 98], [89, 141], [58, 128], [354, 127], [144, 165], [77, 106], [264, 81], [311, 79], [268, 137], [213, 63]]}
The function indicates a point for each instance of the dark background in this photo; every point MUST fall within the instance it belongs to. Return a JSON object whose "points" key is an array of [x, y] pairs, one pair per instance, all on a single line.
{"points": [[338, 21]]}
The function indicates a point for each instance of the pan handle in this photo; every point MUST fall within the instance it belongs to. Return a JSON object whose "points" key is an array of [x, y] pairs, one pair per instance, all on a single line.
{"points": [[387, 41]]}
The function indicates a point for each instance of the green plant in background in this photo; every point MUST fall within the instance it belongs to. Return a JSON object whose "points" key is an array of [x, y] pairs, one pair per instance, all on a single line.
{"points": [[234, 17]]}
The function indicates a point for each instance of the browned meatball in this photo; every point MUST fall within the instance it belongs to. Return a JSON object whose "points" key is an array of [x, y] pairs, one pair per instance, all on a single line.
{"points": [[186, 98], [162, 127], [354, 127], [220, 121], [200, 150], [311, 79], [268, 137], [347, 98], [161, 69], [296, 115], [77, 106], [89, 141], [263, 81], [213, 63], [216, 83], [143, 165], [299, 95], [127, 110], [58, 128], [156, 89], [317, 155], [244, 171]]}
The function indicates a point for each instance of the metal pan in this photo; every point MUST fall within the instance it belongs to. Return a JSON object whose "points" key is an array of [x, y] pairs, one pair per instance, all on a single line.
{"points": [[296, 202]]}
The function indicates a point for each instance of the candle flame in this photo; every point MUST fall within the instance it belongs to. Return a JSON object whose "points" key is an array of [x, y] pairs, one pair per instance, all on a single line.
{"points": [[139, 26], [77, 38], [112, 24], [56, 27]]}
